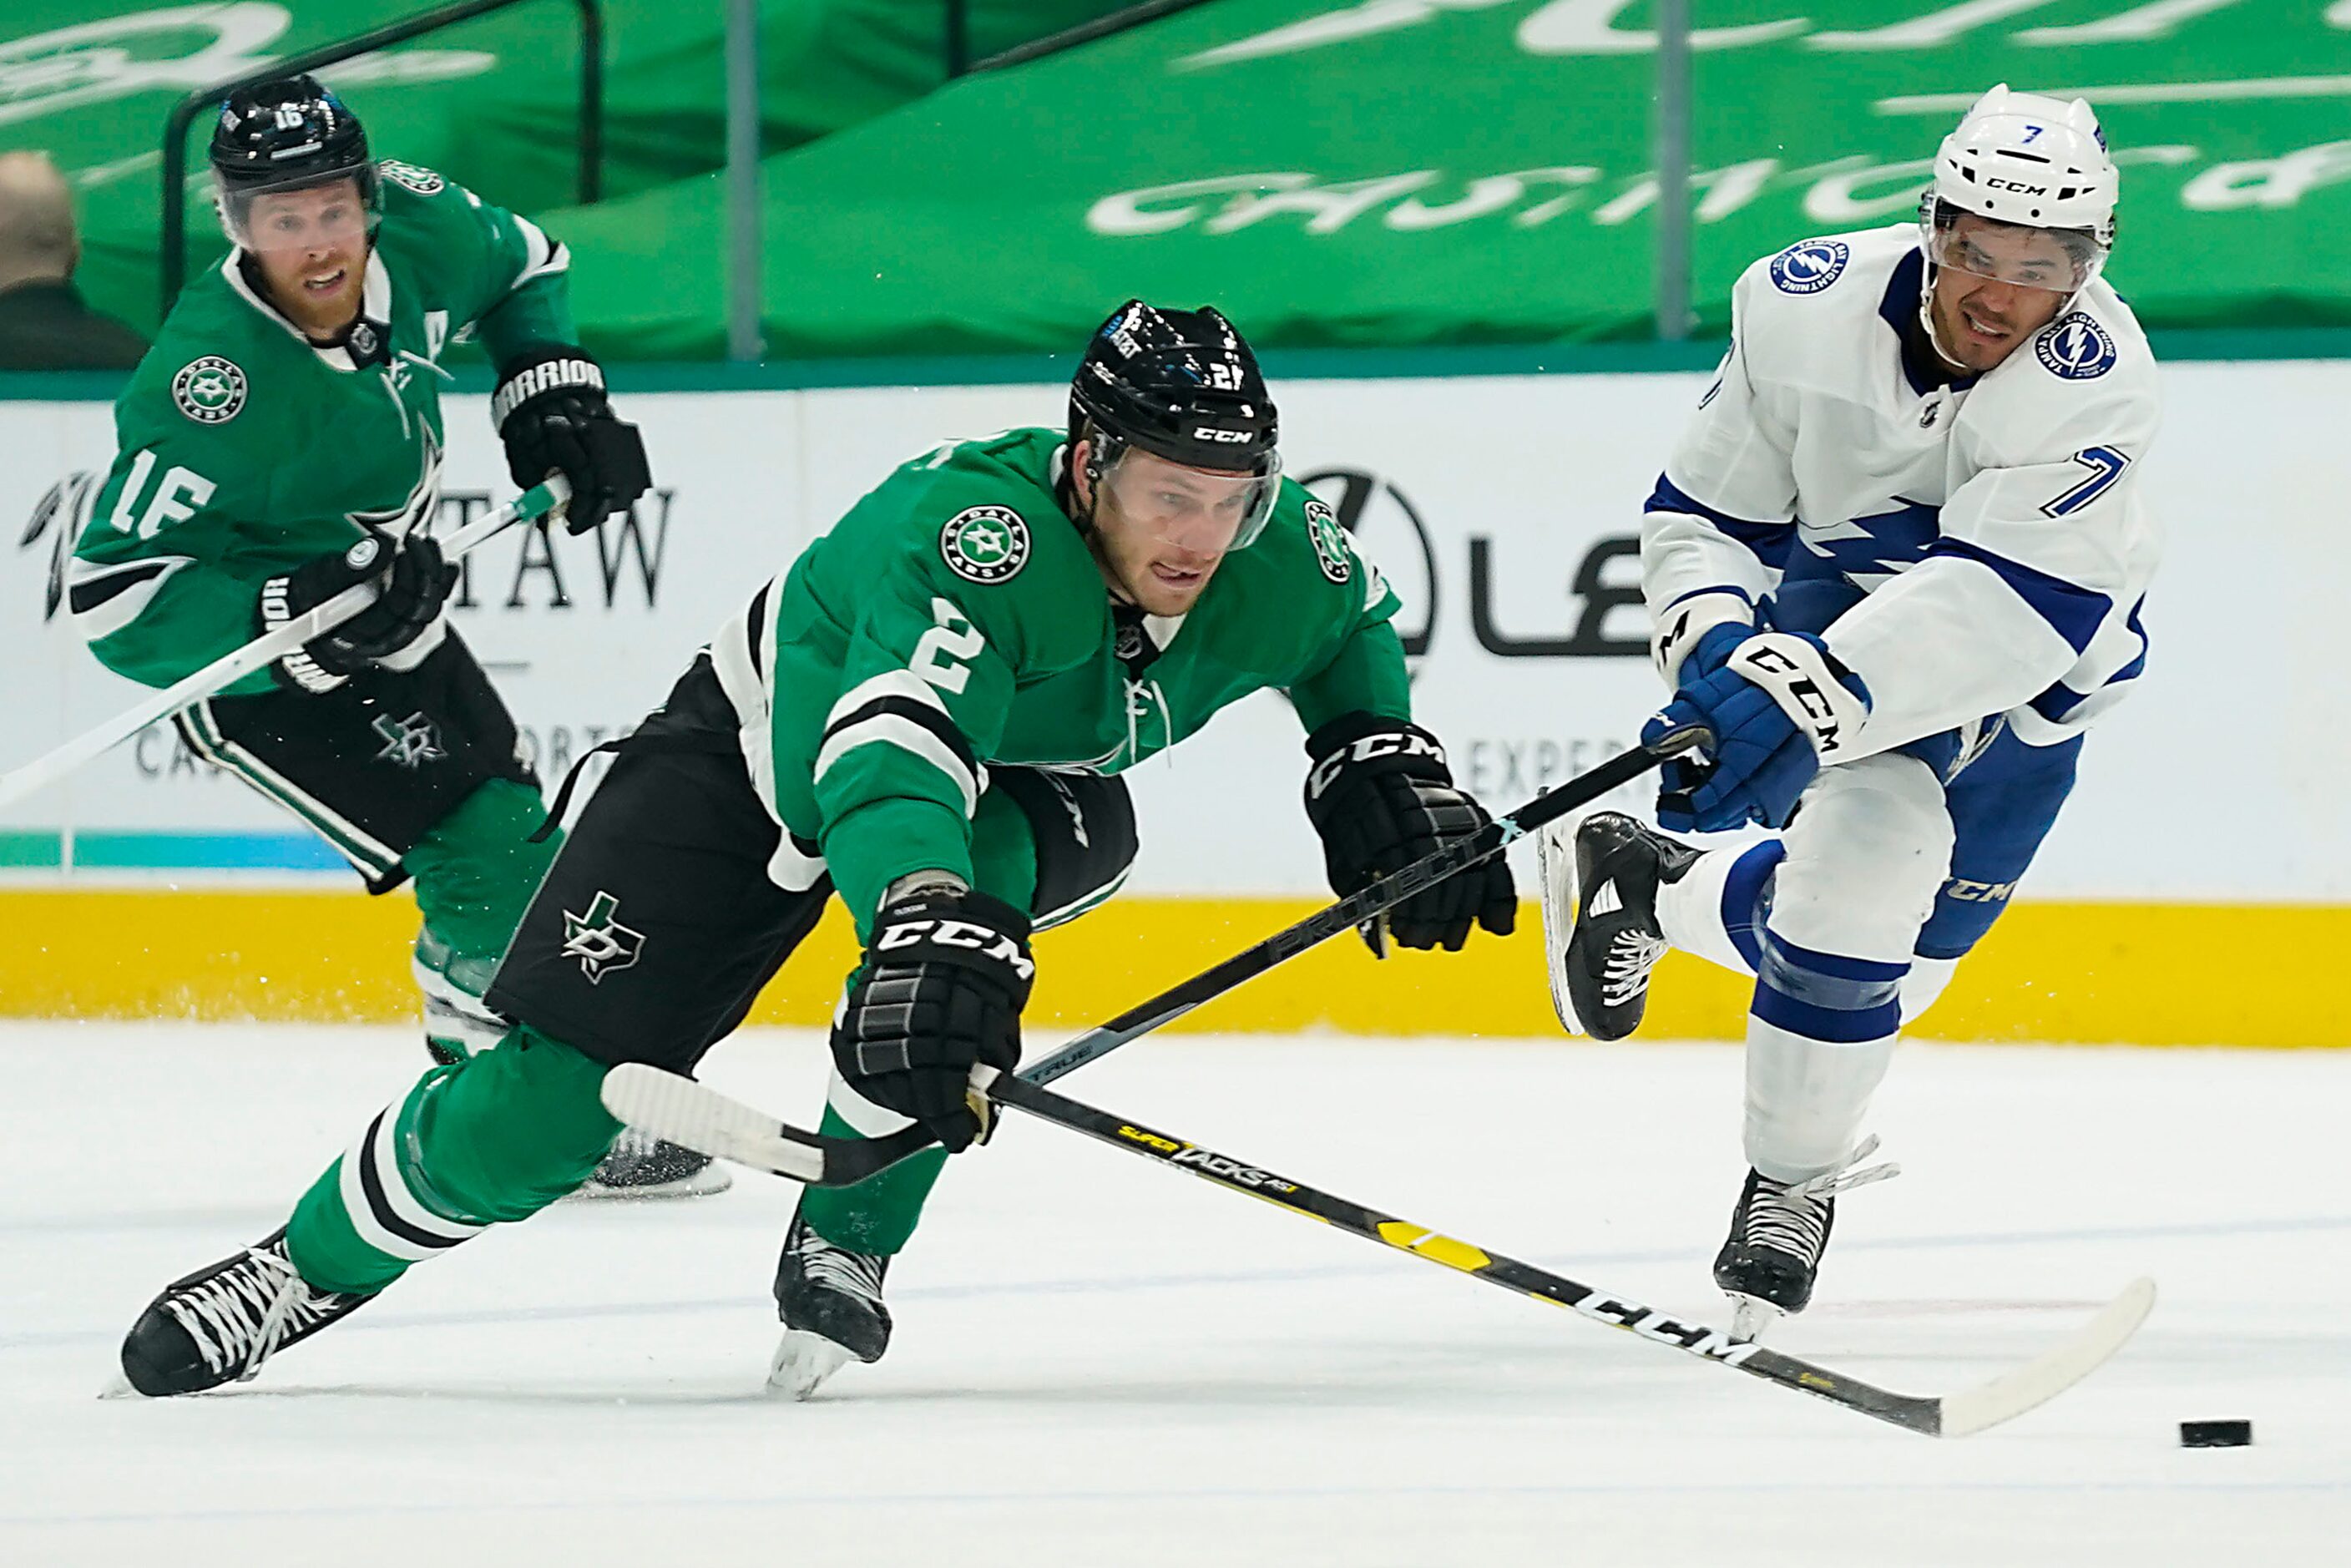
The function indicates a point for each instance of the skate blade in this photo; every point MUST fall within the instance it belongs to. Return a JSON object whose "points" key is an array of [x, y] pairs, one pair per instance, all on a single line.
{"points": [[118, 1386], [803, 1361], [1555, 857], [711, 1179], [1751, 1317]]}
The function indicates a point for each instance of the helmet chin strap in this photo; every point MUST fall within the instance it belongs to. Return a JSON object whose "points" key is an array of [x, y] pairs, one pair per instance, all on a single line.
{"points": [[1927, 305], [1089, 525], [1927, 315]]}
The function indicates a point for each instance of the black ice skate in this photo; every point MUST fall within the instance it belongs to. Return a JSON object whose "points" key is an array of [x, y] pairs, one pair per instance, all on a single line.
{"points": [[641, 1165], [1777, 1232], [220, 1324], [1600, 918], [829, 1298]]}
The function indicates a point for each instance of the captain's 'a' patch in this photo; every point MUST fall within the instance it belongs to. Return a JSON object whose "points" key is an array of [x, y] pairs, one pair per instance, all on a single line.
{"points": [[985, 544]]}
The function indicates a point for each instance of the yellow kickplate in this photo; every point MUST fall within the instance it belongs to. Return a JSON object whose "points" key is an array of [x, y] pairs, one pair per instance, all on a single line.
{"points": [[1429, 1244]]}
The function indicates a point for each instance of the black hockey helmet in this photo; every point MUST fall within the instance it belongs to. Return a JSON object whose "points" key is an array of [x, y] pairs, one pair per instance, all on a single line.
{"points": [[287, 135], [1182, 385]]}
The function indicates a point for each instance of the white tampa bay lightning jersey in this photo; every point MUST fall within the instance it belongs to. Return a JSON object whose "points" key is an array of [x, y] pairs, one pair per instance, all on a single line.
{"points": [[1971, 550]]}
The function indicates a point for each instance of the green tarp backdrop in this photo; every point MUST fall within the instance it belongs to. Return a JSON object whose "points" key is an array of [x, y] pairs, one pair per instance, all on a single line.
{"points": [[492, 102], [1335, 172], [1399, 172]]}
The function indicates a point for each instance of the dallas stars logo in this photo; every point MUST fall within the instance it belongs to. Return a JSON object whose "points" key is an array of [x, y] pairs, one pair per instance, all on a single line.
{"points": [[602, 944], [1329, 542], [985, 544], [409, 742], [210, 390]]}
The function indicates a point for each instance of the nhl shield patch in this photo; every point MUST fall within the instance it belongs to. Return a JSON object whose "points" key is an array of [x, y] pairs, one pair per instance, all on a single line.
{"points": [[1329, 542], [2076, 348], [1809, 267], [985, 544], [210, 390]]}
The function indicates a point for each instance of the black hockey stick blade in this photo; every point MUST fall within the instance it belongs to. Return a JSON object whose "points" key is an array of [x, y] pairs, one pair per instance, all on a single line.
{"points": [[1949, 1416]]}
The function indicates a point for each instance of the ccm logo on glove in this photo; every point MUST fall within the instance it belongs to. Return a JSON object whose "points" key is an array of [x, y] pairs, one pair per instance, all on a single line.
{"points": [[982, 939], [1396, 743], [1798, 675]]}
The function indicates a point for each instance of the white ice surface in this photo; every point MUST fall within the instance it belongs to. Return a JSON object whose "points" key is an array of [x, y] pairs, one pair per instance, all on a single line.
{"points": [[1101, 1361]]}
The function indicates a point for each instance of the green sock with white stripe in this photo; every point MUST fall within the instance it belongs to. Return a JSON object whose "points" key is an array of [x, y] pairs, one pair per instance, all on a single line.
{"points": [[494, 1138]]}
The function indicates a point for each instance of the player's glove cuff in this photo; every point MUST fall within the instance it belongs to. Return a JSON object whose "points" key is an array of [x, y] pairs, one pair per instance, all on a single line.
{"points": [[542, 373], [1705, 625], [1823, 698], [298, 667]]}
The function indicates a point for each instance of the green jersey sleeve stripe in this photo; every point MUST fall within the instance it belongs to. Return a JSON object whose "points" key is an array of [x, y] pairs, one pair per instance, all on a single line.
{"points": [[897, 728], [888, 684], [104, 598], [541, 255]]}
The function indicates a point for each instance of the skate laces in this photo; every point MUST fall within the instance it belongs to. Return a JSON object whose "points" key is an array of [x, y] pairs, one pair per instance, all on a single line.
{"points": [[242, 1314], [1625, 974], [853, 1273], [1844, 1178], [1794, 1217]]}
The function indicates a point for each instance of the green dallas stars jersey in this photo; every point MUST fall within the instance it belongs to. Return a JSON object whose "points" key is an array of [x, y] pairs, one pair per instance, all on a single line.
{"points": [[242, 451], [955, 617]]}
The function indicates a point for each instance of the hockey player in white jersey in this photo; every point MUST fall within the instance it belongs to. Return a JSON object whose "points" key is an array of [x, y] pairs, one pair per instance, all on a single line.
{"points": [[1895, 567]]}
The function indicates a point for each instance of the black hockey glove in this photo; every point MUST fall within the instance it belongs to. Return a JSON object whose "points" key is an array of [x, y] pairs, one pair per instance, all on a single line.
{"points": [[1382, 798], [551, 409], [414, 580], [941, 991]]}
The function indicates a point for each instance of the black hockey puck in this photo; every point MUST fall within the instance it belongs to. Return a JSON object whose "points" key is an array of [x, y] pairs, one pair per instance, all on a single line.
{"points": [[2216, 1433]]}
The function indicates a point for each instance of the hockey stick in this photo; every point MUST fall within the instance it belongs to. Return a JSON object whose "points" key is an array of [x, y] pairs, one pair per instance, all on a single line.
{"points": [[1366, 903], [702, 1118], [263, 651]]}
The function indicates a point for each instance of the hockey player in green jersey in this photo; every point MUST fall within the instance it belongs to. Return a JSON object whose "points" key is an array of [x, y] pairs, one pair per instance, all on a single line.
{"points": [[927, 716], [281, 442]]}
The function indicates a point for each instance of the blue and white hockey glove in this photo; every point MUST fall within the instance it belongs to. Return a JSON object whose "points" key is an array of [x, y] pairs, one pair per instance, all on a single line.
{"points": [[1781, 706]]}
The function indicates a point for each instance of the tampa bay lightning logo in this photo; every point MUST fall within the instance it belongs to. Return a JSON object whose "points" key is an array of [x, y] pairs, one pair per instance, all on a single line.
{"points": [[2076, 348], [1809, 267]]}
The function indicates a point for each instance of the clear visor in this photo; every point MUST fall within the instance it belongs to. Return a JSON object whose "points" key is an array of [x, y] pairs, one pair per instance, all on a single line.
{"points": [[2060, 260], [300, 215], [1201, 511]]}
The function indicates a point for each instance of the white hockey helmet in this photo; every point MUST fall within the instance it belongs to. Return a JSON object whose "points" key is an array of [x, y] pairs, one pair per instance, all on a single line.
{"points": [[2025, 159], [2020, 159]]}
